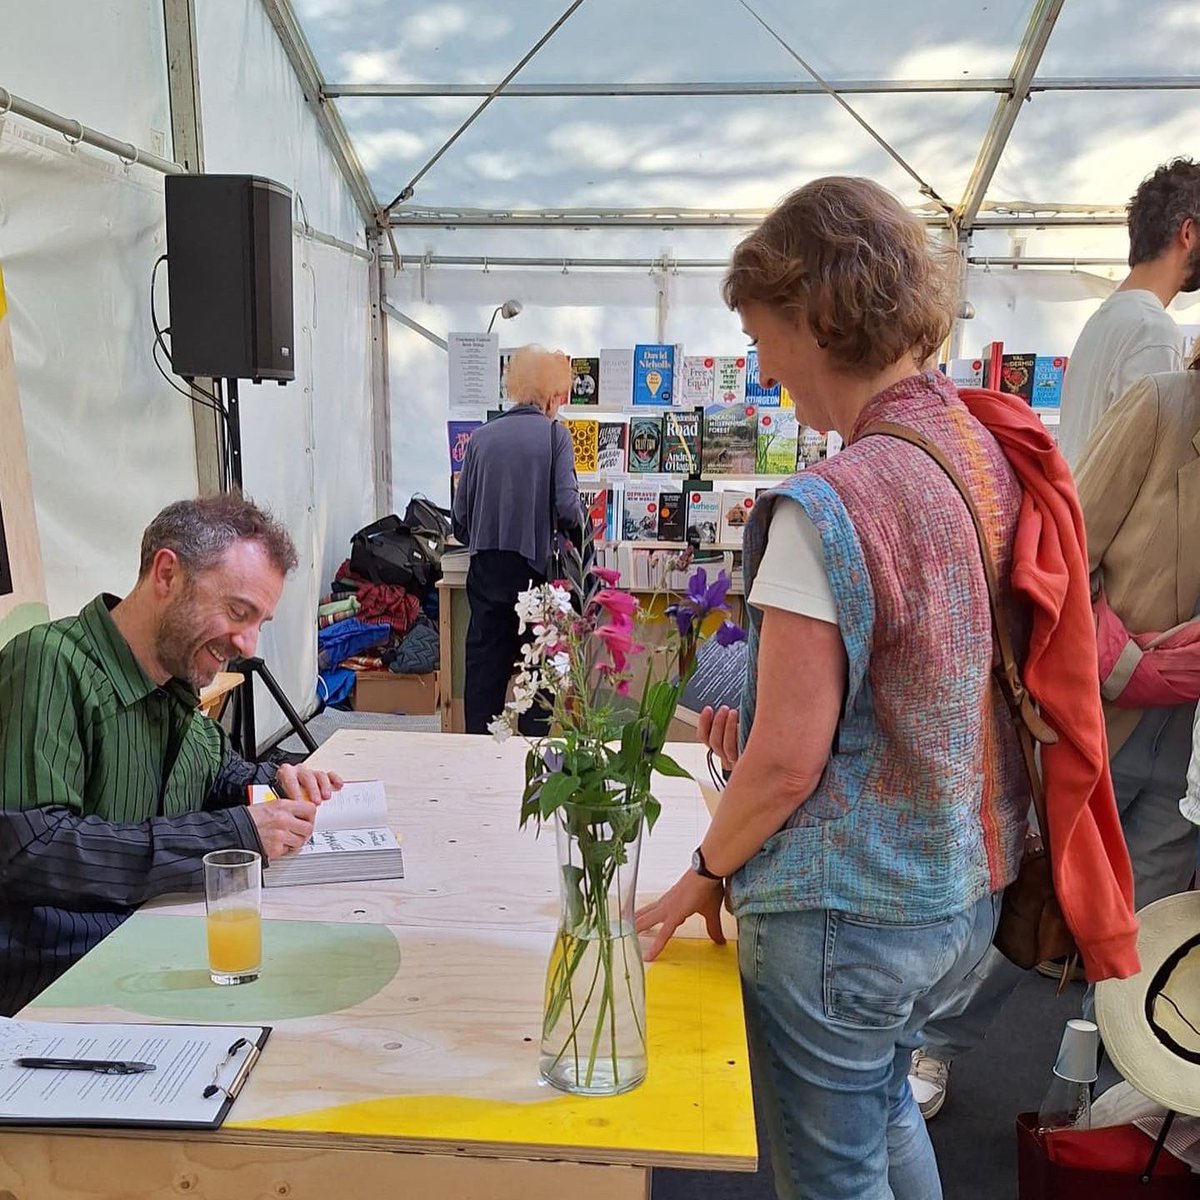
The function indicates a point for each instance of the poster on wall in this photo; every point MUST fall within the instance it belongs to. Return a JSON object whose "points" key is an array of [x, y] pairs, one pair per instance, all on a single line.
{"points": [[474, 369], [22, 587]]}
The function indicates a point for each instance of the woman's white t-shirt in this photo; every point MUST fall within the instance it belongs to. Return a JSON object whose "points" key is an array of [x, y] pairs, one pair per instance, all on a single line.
{"points": [[792, 575]]}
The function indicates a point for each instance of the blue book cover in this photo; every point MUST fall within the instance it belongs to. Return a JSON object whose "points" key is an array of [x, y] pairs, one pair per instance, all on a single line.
{"points": [[459, 434], [653, 374], [1048, 374], [755, 392]]}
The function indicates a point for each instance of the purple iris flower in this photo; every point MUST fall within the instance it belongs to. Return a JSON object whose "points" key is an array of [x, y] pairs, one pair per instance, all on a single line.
{"points": [[728, 633], [702, 598]]}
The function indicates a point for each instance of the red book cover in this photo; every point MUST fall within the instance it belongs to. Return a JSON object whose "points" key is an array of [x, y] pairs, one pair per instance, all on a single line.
{"points": [[993, 357]]}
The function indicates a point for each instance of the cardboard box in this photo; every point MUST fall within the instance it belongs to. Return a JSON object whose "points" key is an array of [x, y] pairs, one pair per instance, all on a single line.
{"points": [[385, 692]]}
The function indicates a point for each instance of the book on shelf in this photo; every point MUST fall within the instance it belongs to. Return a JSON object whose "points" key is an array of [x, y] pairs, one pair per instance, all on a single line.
{"points": [[766, 397], [595, 503], [730, 439], [670, 517], [735, 513], [645, 445], [351, 840], [458, 433], [729, 385], [585, 381], [681, 439], [703, 516], [1016, 375], [778, 441], [653, 374], [612, 442], [585, 442], [965, 372], [614, 518], [641, 512], [813, 447], [1048, 373], [505, 359], [697, 377], [616, 378], [993, 361]]}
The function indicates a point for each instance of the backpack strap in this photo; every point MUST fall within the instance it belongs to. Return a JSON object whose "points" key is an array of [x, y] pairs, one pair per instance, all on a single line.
{"points": [[1028, 721]]}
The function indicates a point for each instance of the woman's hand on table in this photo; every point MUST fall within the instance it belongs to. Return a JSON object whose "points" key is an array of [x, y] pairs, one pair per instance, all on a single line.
{"points": [[718, 730], [692, 894]]}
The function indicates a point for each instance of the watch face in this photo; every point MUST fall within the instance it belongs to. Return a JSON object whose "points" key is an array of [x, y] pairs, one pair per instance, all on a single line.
{"points": [[696, 864]]}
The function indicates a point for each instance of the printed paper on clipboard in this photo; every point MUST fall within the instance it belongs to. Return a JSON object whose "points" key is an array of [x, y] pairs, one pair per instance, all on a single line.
{"points": [[199, 1070]]}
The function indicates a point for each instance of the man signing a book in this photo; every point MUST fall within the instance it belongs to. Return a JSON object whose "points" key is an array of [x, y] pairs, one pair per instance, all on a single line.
{"points": [[113, 786]]}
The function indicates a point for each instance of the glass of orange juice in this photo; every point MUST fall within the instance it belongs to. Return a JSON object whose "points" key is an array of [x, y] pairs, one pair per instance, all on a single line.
{"points": [[233, 897]]}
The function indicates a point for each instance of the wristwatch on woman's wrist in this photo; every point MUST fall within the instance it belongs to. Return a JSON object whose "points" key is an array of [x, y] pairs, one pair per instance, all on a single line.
{"points": [[701, 867]]}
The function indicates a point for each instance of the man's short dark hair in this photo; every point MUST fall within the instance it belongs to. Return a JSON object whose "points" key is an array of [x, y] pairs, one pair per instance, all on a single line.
{"points": [[1160, 206], [200, 531]]}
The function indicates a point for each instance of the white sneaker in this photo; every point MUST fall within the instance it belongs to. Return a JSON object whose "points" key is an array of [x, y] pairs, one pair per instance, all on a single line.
{"points": [[929, 1078]]}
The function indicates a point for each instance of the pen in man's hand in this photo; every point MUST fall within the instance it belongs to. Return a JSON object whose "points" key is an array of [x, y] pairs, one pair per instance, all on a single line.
{"points": [[101, 1066]]}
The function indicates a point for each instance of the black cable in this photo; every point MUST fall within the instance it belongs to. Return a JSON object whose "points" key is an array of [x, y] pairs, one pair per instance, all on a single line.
{"points": [[209, 400]]}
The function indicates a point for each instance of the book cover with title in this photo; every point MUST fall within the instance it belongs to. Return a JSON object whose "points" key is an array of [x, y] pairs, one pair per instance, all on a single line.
{"points": [[730, 439], [459, 434], [1048, 372], [681, 440], [641, 512], [585, 381], [645, 444], [764, 397], [703, 516], [653, 374], [778, 439], [729, 385], [696, 380], [585, 441], [613, 445]]}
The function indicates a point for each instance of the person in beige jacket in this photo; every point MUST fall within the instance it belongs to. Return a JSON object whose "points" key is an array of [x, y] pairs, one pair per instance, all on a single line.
{"points": [[1139, 487]]}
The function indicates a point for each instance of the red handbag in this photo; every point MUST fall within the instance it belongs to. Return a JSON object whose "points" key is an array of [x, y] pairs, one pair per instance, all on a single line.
{"points": [[1096, 1164]]}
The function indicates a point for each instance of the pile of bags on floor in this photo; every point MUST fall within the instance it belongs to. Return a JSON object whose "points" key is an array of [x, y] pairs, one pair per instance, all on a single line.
{"points": [[381, 611]]}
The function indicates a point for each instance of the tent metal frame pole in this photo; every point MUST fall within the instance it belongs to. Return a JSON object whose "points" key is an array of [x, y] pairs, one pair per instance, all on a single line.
{"points": [[662, 263], [623, 218], [788, 87], [406, 192], [381, 407], [308, 73], [187, 145], [75, 132], [392, 311], [1025, 65]]}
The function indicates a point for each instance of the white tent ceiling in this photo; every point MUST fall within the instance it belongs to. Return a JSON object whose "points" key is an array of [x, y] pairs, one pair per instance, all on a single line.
{"points": [[392, 70]]}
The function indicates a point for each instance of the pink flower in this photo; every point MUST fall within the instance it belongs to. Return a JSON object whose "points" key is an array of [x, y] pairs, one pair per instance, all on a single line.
{"points": [[618, 641], [607, 575], [618, 605]]}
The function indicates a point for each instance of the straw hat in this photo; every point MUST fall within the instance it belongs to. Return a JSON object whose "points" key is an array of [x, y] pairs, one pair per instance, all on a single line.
{"points": [[1151, 1023]]}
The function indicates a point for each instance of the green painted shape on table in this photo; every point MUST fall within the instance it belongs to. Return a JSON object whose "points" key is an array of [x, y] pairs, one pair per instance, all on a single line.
{"points": [[158, 967], [23, 617]]}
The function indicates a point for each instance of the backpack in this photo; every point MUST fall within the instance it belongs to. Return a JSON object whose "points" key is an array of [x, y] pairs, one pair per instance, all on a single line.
{"points": [[390, 551]]}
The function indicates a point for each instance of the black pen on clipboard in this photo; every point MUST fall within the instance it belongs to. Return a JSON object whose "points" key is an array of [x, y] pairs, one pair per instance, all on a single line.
{"points": [[231, 1092]]}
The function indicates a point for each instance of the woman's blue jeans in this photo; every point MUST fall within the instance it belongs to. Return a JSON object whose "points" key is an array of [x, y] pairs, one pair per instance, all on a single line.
{"points": [[835, 1004]]}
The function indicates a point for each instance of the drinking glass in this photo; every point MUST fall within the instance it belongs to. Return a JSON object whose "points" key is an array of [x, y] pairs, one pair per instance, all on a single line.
{"points": [[233, 898]]}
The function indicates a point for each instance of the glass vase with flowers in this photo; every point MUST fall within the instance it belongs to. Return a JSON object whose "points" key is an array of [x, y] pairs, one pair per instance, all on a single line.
{"points": [[611, 672]]}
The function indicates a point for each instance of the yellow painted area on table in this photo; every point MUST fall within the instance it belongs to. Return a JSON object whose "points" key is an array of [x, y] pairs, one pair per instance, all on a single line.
{"points": [[696, 1098], [3, 301]]}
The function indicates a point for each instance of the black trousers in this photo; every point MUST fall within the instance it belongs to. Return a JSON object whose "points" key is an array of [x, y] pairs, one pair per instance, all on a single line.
{"points": [[493, 580]]}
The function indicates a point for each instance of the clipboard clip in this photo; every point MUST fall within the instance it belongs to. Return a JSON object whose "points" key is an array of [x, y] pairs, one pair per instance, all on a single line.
{"points": [[231, 1090]]}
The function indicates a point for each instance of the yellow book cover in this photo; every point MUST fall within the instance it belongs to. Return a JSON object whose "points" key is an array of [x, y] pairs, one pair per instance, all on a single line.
{"points": [[585, 438]]}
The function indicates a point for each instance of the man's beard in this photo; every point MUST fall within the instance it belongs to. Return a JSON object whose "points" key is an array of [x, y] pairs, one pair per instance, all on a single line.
{"points": [[1191, 282], [177, 646]]}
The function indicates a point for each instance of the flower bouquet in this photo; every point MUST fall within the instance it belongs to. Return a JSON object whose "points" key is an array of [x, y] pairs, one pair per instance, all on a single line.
{"points": [[588, 647]]}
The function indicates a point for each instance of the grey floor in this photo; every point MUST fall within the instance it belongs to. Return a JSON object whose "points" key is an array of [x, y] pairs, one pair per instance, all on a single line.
{"points": [[973, 1135]]}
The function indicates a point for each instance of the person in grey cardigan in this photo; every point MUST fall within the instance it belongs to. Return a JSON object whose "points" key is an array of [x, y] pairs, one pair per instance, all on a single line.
{"points": [[517, 487]]}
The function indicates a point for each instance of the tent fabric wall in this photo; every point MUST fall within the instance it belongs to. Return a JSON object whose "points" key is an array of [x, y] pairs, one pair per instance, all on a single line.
{"points": [[109, 442]]}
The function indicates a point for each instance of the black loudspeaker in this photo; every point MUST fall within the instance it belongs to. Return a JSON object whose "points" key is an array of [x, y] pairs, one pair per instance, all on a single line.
{"points": [[229, 258]]}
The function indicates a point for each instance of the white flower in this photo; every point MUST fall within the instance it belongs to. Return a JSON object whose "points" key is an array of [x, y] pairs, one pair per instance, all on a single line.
{"points": [[561, 662], [560, 598], [500, 729]]}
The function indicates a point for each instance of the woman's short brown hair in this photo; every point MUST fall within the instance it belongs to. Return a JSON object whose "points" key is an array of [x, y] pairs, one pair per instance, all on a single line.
{"points": [[857, 266], [537, 375]]}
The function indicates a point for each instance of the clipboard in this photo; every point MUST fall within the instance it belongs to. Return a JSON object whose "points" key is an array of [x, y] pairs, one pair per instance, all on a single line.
{"points": [[199, 1072]]}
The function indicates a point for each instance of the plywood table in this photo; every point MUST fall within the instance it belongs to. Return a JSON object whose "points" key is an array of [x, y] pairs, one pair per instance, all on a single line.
{"points": [[406, 1020], [213, 697]]}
